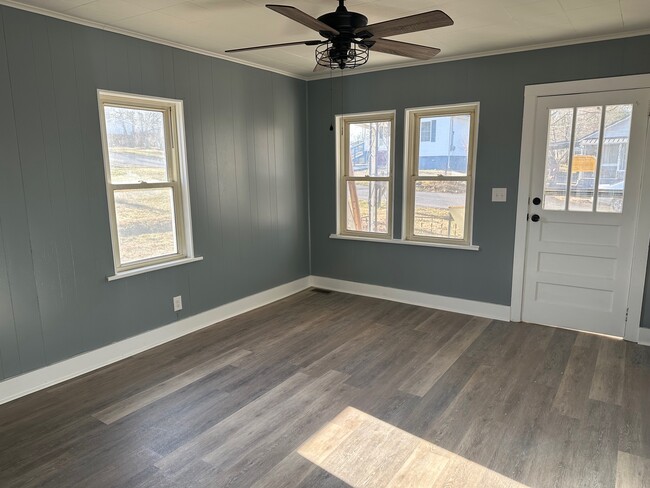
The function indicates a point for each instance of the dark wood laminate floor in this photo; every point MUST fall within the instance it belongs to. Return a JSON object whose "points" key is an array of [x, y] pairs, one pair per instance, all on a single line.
{"points": [[232, 405]]}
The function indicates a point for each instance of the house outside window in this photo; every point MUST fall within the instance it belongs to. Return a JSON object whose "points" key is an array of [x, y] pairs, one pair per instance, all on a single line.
{"points": [[439, 174], [593, 166]]}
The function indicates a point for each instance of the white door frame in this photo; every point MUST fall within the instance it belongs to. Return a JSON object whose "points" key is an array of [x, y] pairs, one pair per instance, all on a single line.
{"points": [[642, 228]]}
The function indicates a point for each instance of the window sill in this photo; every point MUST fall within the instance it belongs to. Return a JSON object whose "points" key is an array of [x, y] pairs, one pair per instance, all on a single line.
{"points": [[153, 267], [462, 247]]}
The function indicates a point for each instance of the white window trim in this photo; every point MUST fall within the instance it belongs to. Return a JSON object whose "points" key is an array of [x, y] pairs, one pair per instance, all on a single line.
{"points": [[641, 242], [341, 203], [153, 267], [185, 240], [404, 242], [411, 142]]}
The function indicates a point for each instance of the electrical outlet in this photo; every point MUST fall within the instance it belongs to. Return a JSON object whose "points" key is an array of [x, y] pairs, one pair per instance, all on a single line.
{"points": [[178, 303]]}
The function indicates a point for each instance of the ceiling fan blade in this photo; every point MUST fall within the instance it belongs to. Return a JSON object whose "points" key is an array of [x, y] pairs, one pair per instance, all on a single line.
{"points": [[404, 49], [305, 19], [404, 25], [284, 44]]}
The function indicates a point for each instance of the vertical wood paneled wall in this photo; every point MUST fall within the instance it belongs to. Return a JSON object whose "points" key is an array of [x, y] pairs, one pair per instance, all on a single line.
{"points": [[246, 141], [498, 83]]}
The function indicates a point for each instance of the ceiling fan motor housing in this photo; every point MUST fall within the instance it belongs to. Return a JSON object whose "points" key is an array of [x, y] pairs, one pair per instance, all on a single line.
{"points": [[346, 23], [343, 21]]}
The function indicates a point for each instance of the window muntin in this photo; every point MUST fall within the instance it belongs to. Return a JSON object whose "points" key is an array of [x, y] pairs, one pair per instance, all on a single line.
{"points": [[365, 148], [439, 177], [590, 144], [146, 180]]}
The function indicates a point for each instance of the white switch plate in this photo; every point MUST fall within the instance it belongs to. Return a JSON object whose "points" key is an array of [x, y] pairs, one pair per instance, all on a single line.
{"points": [[178, 303], [499, 194]]}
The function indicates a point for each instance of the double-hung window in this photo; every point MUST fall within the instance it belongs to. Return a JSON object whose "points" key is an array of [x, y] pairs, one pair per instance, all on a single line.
{"points": [[365, 184], [439, 176], [146, 181]]}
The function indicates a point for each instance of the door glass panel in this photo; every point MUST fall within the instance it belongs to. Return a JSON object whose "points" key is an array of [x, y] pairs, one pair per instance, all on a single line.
{"points": [[611, 182], [444, 145], [370, 149], [136, 145], [367, 206], [560, 128], [440, 209], [585, 158], [146, 227]]}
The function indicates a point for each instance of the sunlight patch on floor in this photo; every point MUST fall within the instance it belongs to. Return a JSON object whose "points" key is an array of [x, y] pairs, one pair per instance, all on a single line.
{"points": [[364, 451]]}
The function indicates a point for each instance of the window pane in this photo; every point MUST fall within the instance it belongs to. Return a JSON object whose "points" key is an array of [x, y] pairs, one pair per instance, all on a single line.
{"points": [[370, 149], [611, 182], [145, 223], [447, 151], [585, 158], [367, 206], [440, 209], [560, 128], [136, 145]]}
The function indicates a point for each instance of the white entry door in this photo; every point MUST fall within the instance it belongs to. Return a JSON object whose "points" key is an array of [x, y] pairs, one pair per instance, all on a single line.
{"points": [[588, 155]]}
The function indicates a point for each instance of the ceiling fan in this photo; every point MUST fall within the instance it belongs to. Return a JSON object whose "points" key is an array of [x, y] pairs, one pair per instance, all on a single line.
{"points": [[349, 38]]}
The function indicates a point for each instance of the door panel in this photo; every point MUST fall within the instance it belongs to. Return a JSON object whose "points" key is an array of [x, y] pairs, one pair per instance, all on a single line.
{"points": [[587, 168]]}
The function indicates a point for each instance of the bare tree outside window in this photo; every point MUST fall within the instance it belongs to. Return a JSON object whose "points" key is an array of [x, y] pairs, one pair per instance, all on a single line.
{"points": [[367, 174]]}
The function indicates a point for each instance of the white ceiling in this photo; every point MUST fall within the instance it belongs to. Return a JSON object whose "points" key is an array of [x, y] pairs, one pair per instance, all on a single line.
{"points": [[480, 25]]}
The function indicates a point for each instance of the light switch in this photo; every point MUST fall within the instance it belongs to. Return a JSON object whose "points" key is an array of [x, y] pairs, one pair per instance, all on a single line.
{"points": [[499, 194]]}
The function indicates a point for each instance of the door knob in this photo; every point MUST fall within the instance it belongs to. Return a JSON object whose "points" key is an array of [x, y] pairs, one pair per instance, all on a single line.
{"points": [[537, 201], [534, 218]]}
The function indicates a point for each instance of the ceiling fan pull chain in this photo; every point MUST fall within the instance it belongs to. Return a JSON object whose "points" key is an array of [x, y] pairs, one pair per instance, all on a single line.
{"points": [[331, 102]]}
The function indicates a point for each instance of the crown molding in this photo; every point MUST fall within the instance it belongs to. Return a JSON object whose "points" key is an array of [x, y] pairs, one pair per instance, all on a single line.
{"points": [[497, 52], [144, 37], [359, 71]]}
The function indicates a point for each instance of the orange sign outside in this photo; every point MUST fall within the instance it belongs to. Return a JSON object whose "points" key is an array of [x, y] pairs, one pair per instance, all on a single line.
{"points": [[583, 164]]}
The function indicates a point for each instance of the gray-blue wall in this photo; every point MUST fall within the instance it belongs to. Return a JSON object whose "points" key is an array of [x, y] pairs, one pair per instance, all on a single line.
{"points": [[497, 82], [247, 156], [247, 149]]}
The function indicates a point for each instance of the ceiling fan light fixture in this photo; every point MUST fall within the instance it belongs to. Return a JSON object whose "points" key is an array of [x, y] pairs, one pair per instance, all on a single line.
{"points": [[341, 55]]}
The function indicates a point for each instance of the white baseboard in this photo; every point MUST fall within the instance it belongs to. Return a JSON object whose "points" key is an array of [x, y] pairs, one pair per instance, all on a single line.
{"points": [[56, 373], [84, 363], [459, 305], [644, 336], [27, 383]]}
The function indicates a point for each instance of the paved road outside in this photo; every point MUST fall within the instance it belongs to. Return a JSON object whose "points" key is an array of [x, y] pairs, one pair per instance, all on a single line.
{"points": [[429, 200]]}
